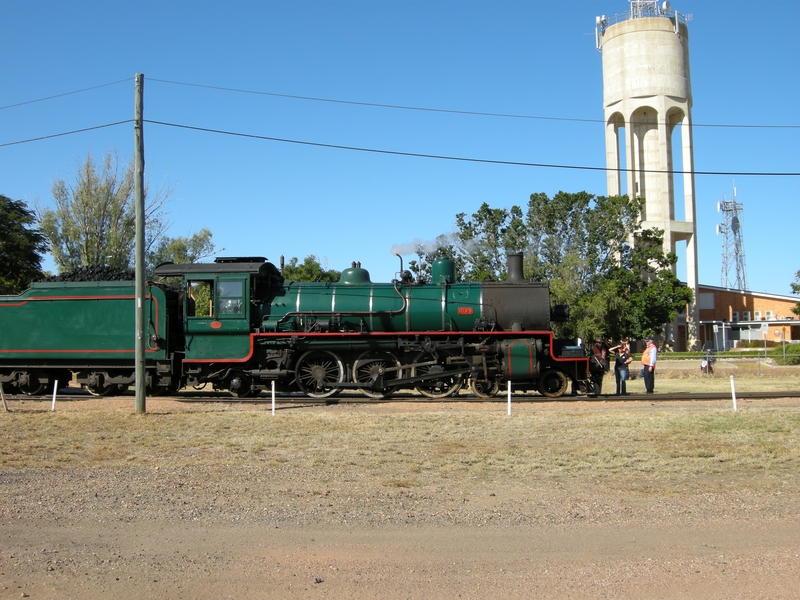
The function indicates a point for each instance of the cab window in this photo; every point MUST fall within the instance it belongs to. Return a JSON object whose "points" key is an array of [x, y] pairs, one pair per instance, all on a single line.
{"points": [[200, 299], [230, 298]]}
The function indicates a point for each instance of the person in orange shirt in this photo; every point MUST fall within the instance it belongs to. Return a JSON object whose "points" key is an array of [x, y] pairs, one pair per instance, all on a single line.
{"points": [[649, 357]]}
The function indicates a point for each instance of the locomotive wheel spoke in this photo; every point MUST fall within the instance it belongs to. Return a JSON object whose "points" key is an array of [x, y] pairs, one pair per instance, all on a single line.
{"points": [[440, 384], [317, 371], [371, 366], [484, 389]]}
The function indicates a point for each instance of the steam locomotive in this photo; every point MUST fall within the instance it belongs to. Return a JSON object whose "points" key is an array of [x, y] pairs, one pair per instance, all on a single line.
{"points": [[239, 325]]}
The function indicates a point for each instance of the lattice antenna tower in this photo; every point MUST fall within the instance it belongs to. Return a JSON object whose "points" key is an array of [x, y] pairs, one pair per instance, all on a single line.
{"points": [[648, 8], [655, 8], [732, 242]]}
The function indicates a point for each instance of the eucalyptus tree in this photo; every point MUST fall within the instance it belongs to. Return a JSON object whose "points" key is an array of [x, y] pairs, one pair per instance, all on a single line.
{"points": [[93, 222]]}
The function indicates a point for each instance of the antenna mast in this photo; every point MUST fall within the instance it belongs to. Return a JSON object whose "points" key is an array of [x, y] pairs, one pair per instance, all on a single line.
{"points": [[732, 242]]}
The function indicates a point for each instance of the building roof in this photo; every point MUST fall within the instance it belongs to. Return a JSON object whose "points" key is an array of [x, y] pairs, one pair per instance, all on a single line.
{"points": [[715, 288]]}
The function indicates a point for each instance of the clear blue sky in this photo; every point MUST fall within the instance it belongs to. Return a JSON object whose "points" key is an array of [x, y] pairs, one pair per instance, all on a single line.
{"points": [[273, 198]]}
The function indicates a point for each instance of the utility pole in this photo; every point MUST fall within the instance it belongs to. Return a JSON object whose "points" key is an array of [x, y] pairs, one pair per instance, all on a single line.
{"points": [[138, 189]]}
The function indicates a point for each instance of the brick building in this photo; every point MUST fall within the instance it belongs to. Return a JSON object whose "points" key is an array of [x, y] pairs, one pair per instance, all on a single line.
{"points": [[728, 316]]}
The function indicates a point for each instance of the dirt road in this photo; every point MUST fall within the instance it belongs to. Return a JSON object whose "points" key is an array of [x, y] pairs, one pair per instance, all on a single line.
{"points": [[284, 530]]}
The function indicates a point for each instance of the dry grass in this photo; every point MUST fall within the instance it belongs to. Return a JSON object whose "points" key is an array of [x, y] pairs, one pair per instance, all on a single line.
{"points": [[410, 445], [685, 377]]}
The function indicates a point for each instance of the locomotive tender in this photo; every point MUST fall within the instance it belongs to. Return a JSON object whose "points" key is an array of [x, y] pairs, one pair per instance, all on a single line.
{"points": [[237, 324]]}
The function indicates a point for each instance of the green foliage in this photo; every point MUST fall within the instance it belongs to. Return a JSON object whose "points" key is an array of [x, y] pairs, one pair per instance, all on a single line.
{"points": [[21, 246], [796, 290], [181, 250], [790, 351], [483, 241], [309, 270], [573, 237], [648, 294], [580, 243], [201, 294], [758, 344], [94, 220]]}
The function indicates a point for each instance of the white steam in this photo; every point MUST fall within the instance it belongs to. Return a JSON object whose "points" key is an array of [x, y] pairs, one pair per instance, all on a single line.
{"points": [[411, 247]]}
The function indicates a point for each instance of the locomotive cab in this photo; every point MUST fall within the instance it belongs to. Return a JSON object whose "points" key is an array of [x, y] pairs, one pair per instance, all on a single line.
{"points": [[219, 304]]}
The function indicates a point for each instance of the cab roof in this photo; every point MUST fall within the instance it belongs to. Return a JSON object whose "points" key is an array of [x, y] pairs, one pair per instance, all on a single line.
{"points": [[246, 265]]}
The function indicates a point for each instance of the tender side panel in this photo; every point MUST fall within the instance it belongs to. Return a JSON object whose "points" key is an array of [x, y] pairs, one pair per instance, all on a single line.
{"points": [[77, 321]]}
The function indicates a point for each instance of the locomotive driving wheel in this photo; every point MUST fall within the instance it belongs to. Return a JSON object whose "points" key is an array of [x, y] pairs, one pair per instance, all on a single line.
{"points": [[484, 389], [371, 368], [317, 372], [241, 385], [438, 383], [553, 383]]}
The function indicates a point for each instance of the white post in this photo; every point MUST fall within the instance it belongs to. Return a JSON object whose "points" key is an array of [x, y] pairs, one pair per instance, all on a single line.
{"points": [[55, 392], [733, 393], [273, 397], [3, 396], [509, 397]]}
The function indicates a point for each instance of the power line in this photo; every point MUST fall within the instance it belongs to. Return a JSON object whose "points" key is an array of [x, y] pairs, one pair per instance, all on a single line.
{"points": [[379, 105], [62, 95], [453, 158], [442, 110], [55, 135], [394, 152]]}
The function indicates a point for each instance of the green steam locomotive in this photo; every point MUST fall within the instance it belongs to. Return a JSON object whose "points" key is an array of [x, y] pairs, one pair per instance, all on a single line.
{"points": [[237, 324]]}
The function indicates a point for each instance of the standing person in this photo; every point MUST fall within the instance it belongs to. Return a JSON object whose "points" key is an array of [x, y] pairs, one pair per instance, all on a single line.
{"points": [[707, 364], [599, 364], [649, 357], [621, 361]]}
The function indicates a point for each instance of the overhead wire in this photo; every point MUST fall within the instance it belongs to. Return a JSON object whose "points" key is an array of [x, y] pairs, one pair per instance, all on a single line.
{"points": [[94, 87], [398, 152], [454, 158], [379, 105], [441, 110], [74, 131], [377, 150]]}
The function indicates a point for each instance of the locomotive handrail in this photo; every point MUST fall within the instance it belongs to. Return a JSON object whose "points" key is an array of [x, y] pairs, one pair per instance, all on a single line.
{"points": [[298, 313]]}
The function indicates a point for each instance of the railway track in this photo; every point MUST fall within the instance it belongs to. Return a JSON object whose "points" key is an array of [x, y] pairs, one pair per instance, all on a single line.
{"points": [[71, 394], [500, 398]]}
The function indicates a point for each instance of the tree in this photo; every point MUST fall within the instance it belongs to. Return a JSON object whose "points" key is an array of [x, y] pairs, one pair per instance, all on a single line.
{"points": [[574, 237], [796, 290], [580, 243], [309, 270], [483, 241], [21, 246], [640, 293], [180, 250], [93, 222]]}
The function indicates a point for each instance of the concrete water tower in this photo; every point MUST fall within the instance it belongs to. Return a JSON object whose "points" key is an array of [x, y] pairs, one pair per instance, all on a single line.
{"points": [[647, 102]]}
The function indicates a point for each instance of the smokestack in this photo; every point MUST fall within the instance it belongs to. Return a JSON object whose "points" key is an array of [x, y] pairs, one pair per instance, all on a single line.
{"points": [[515, 268]]}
